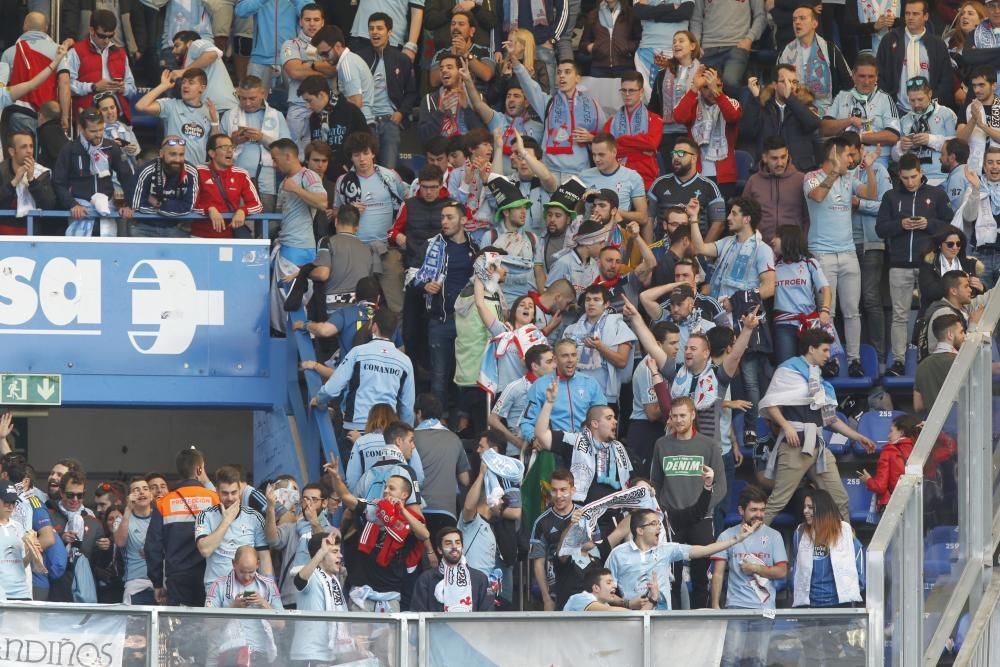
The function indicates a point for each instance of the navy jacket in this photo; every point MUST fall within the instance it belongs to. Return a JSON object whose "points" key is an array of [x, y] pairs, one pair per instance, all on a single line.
{"points": [[906, 248]]}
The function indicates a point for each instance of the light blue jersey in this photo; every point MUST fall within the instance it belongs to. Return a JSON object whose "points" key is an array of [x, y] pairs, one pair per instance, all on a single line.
{"points": [[220, 87], [830, 229], [796, 287], [135, 556], [480, 544], [254, 633], [612, 330], [523, 124], [398, 11], [633, 569], [877, 112], [642, 390], [190, 15], [297, 216], [246, 529], [625, 182], [297, 49], [270, 17], [380, 211], [938, 122], [955, 185], [354, 78], [863, 218], [312, 639], [579, 601], [511, 405], [14, 580], [765, 546], [191, 123]]}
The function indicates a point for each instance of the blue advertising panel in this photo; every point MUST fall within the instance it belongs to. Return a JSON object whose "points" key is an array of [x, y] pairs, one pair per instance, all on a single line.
{"points": [[134, 307]]}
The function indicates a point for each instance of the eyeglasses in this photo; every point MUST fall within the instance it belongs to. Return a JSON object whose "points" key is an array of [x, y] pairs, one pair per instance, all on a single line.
{"points": [[680, 153], [73, 496], [173, 142], [325, 55], [313, 500], [651, 523], [628, 91], [225, 147], [101, 35], [916, 82], [952, 244]]}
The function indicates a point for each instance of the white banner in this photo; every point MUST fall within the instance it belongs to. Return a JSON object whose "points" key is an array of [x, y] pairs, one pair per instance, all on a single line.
{"points": [[46, 639]]}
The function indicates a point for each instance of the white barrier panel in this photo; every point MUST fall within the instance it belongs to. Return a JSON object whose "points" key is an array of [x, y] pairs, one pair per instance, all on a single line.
{"points": [[86, 640]]}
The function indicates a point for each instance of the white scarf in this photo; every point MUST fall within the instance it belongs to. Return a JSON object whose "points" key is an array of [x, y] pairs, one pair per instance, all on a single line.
{"points": [[237, 118], [503, 476], [637, 497], [913, 54], [704, 395], [946, 266], [25, 202], [454, 591], [99, 164], [339, 634], [74, 520], [584, 463], [709, 131], [845, 573]]}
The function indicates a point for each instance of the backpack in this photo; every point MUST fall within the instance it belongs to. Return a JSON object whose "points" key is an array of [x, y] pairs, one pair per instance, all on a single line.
{"points": [[922, 327], [27, 64], [372, 483]]}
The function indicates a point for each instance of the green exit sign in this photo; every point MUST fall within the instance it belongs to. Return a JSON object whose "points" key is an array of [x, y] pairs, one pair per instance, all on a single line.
{"points": [[30, 389]]}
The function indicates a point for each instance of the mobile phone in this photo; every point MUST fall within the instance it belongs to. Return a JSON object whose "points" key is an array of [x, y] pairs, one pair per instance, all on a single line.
{"points": [[247, 594]]}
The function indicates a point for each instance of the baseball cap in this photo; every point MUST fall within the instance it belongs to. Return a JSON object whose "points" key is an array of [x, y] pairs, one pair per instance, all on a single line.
{"points": [[680, 293], [605, 194], [8, 492]]}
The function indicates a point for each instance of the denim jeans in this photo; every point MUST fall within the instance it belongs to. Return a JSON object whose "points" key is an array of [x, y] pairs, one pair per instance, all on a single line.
{"points": [[755, 373], [991, 260], [441, 350], [901, 282], [731, 62], [719, 517], [146, 230], [871, 298], [843, 273], [547, 58], [747, 643], [388, 142], [786, 342]]}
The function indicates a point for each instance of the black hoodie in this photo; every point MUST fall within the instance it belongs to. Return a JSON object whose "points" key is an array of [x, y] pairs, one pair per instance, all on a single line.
{"points": [[907, 247]]}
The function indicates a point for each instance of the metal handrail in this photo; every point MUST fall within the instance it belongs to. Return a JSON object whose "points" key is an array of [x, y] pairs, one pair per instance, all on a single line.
{"points": [[266, 218]]}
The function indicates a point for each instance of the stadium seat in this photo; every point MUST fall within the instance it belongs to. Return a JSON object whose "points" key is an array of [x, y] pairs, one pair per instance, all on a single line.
{"points": [[732, 512], [903, 382], [744, 162], [837, 444], [875, 424], [859, 500], [941, 535], [937, 560], [869, 362], [141, 120]]}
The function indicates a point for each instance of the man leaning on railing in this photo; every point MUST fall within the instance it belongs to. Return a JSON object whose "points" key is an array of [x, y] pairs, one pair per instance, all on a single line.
{"points": [[166, 187], [25, 185]]}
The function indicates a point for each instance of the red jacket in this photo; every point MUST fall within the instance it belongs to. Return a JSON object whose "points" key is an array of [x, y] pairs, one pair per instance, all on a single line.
{"points": [[638, 151], [686, 111], [91, 71], [239, 189], [891, 466]]}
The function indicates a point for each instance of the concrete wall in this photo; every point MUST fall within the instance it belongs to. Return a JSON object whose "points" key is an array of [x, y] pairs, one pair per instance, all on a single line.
{"points": [[112, 443]]}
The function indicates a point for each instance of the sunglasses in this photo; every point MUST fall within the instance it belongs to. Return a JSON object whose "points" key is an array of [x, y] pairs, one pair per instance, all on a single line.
{"points": [[325, 55], [101, 35], [952, 244], [174, 142], [73, 496], [916, 82], [679, 153]]}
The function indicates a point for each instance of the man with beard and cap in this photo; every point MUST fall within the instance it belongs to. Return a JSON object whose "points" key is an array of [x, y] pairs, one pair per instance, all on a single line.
{"points": [[299, 61], [925, 129], [452, 586], [560, 210], [511, 236], [685, 182], [166, 187]]}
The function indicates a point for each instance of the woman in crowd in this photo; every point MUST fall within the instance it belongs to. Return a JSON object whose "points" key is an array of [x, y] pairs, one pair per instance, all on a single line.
{"points": [[948, 255], [669, 87], [801, 295], [892, 459], [521, 45], [610, 37]]}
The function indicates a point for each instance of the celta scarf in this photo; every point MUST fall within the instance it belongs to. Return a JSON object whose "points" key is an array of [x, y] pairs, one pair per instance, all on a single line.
{"points": [[237, 118], [591, 359], [513, 123], [339, 634], [564, 114], [842, 558], [626, 123], [797, 382], [25, 202], [454, 591], [709, 131], [674, 87], [813, 63], [100, 166], [503, 476], [518, 340], [986, 36], [703, 388], [637, 497], [732, 272], [921, 122], [512, 11], [586, 466], [350, 188], [434, 267]]}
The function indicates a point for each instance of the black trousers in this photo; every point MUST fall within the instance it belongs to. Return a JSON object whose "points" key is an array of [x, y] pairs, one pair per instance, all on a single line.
{"points": [[698, 533], [186, 588]]}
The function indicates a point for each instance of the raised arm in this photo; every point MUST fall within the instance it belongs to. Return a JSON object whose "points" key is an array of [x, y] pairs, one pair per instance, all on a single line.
{"points": [[471, 505], [543, 435], [545, 177], [731, 363], [147, 103], [487, 315], [332, 471], [643, 333]]}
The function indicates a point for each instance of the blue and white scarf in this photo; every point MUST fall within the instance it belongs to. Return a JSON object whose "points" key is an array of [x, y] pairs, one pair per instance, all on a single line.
{"points": [[731, 272], [703, 388], [512, 10], [986, 36], [673, 89], [503, 478], [626, 123], [563, 117], [605, 462], [814, 64], [709, 131], [435, 266]]}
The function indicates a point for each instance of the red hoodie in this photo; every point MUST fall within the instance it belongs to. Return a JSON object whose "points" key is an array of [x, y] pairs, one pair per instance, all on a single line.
{"points": [[891, 466], [686, 112]]}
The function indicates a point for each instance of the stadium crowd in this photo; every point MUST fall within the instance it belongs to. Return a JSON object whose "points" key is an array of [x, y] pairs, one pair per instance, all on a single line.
{"points": [[602, 338]]}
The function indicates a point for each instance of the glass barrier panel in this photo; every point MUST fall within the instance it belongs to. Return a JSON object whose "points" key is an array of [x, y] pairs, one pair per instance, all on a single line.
{"points": [[35, 637], [777, 641], [216, 641], [518, 642]]}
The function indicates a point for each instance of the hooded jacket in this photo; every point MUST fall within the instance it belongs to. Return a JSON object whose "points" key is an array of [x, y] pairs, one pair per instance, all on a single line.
{"points": [[892, 53], [906, 248], [891, 466], [798, 126], [781, 200]]}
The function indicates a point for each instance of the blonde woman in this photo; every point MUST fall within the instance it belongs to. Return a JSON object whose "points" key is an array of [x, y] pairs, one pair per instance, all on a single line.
{"points": [[521, 46]]}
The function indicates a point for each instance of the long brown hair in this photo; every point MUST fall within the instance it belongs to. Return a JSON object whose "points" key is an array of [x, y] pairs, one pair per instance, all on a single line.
{"points": [[696, 53], [826, 523], [380, 416]]}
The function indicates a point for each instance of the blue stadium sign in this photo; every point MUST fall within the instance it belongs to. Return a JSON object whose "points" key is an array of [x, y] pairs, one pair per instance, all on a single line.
{"points": [[131, 307]]}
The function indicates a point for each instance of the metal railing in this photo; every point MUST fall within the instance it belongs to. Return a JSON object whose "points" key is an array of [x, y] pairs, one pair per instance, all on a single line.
{"points": [[263, 231], [167, 636], [930, 557]]}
